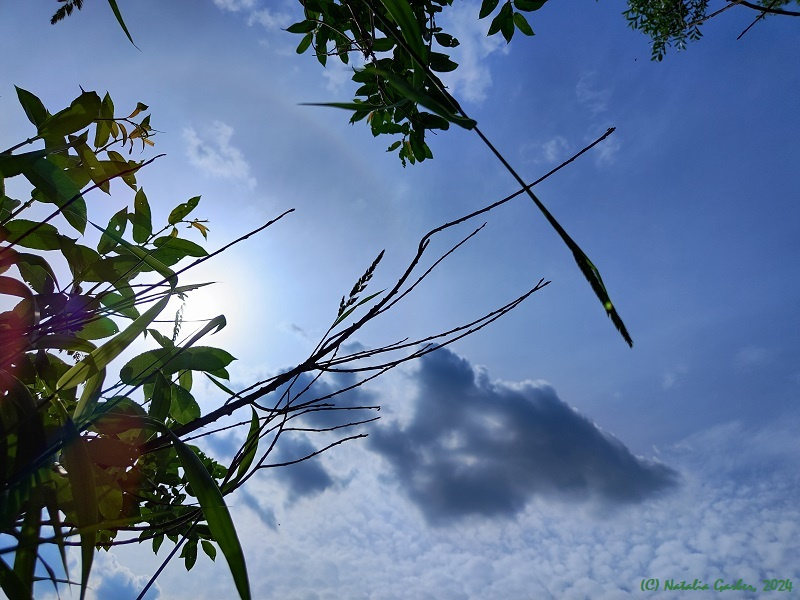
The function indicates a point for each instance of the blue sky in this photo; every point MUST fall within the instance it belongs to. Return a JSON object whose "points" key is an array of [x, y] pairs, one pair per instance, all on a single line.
{"points": [[541, 457]]}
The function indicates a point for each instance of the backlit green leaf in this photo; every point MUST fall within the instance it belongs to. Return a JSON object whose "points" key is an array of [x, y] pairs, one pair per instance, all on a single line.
{"points": [[182, 210], [79, 115], [141, 219], [216, 514], [183, 406], [33, 107], [117, 225]]}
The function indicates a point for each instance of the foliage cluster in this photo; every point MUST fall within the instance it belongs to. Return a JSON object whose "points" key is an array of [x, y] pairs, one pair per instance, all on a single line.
{"points": [[70, 443], [674, 22]]}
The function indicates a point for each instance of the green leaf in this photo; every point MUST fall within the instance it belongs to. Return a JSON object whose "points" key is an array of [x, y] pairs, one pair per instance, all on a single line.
{"points": [[14, 287], [215, 512], [11, 583], [58, 188], [306, 26], [383, 44], [36, 272], [79, 115], [446, 40], [64, 342], [420, 97], [118, 304], [84, 492], [210, 549], [141, 219], [117, 225], [487, 8], [180, 246], [182, 210], [442, 63], [7, 206], [403, 15], [201, 358], [503, 22], [305, 43], [118, 15], [162, 340], [103, 128], [248, 451], [189, 554], [98, 328], [33, 107], [522, 24], [99, 358], [161, 398], [529, 5], [89, 396], [43, 237], [183, 407]]}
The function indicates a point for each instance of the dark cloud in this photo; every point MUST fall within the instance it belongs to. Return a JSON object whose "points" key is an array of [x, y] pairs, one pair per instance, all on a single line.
{"points": [[265, 515], [481, 447], [306, 478]]}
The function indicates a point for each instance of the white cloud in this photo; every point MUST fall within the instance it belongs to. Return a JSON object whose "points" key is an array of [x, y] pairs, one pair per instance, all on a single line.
{"points": [[235, 5], [672, 377], [211, 152], [473, 77], [591, 95], [607, 151], [269, 19], [731, 517], [750, 357], [552, 151]]}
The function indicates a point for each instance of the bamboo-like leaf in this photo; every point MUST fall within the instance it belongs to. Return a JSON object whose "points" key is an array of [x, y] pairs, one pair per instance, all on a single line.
{"points": [[27, 548], [220, 385], [403, 15], [249, 451], [84, 492], [64, 342], [98, 359], [11, 583], [215, 513], [118, 15], [160, 398], [420, 97], [89, 396], [51, 502]]}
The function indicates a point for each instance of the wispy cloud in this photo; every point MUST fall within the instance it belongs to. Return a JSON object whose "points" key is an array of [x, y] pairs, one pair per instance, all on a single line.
{"points": [[270, 19], [211, 151], [235, 5], [549, 152], [606, 153], [591, 94], [480, 447], [750, 357], [473, 77]]}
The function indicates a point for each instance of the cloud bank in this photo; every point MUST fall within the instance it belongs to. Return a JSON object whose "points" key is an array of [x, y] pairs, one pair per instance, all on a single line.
{"points": [[480, 447]]}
